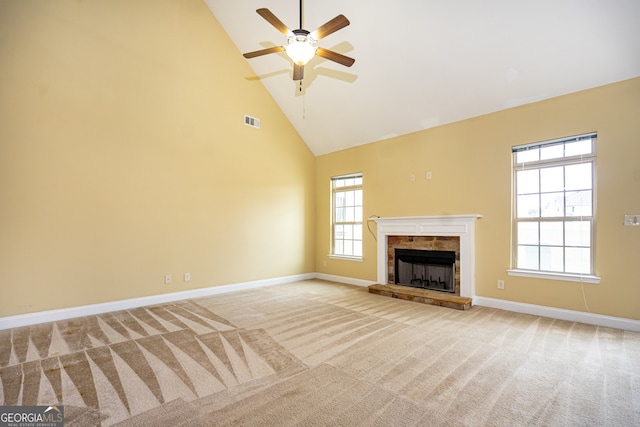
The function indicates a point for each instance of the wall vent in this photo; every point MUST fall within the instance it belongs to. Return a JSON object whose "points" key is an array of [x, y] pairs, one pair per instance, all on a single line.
{"points": [[252, 121]]}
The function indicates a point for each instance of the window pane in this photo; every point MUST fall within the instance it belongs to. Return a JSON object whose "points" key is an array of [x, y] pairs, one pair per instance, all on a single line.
{"points": [[577, 233], [358, 197], [528, 206], [349, 198], [357, 232], [551, 258], [579, 203], [338, 247], [578, 147], [348, 247], [552, 152], [357, 181], [340, 199], [339, 232], [528, 181], [358, 213], [552, 204], [528, 257], [348, 231], [551, 233], [349, 214], [340, 215], [552, 179], [528, 233], [578, 177], [578, 260], [528, 155]]}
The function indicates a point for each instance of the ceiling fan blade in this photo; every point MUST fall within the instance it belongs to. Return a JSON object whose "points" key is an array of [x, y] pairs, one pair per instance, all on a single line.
{"points": [[273, 20], [330, 27], [263, 52], [335, 57], [298, 72]]}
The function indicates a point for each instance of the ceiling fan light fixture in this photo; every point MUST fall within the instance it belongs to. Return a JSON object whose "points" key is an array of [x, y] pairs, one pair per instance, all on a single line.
{"points": [[300, 47]]}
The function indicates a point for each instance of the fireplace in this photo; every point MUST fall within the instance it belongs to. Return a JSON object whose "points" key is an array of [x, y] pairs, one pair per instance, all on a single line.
{"points": [[434, 251], [426, 269], [444, 232]]}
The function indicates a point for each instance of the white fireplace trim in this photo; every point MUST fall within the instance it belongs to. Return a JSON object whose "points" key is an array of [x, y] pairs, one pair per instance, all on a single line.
{"points": [[463, 226]]}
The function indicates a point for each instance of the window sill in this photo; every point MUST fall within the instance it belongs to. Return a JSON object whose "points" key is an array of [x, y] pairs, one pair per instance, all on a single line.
{"points": [[583, 278], [346, 257]]}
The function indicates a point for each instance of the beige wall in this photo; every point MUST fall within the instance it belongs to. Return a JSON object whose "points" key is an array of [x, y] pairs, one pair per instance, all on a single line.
{"points": [[123, 157], [471, 165]]}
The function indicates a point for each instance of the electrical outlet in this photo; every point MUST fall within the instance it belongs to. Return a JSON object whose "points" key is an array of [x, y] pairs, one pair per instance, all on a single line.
{"points": [[187, 277], [632, 220], [167, 279], [429, 175], [500, 284]]}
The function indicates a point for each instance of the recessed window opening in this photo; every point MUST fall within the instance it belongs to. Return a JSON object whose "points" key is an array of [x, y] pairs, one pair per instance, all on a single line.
{"points": [[346, 224], [554, 206]]}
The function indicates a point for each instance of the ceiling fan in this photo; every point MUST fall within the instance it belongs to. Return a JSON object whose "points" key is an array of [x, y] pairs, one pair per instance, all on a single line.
{"points": [[300, 45]]}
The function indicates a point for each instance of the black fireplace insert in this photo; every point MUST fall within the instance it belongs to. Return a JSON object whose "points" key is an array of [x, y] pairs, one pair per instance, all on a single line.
{"points": [[427, 269]]}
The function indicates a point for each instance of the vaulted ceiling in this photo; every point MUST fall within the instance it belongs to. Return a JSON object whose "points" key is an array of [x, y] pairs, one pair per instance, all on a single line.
{"points": [[424, 63]]}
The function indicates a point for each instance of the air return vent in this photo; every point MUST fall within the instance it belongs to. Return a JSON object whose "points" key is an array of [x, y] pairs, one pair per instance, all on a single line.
{"points": [[252, 121]]}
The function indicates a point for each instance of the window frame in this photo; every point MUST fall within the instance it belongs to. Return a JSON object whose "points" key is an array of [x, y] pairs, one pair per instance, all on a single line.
{"points": [[335, 222], [540, 219]]}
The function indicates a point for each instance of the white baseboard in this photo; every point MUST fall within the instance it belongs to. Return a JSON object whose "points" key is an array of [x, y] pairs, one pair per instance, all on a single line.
{"points": [[519, 307], [559, 313], [346, 280], [93, 309]]}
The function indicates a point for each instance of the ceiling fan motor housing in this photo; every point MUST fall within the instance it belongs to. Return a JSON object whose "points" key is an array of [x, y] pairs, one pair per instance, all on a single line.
{"points": [[302, 35]]}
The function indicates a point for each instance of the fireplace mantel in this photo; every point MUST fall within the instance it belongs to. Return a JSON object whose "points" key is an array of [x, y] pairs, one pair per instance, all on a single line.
{"points": [[445, 225]]}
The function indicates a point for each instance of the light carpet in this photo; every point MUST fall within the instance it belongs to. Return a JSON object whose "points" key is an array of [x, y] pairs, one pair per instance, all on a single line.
{"points": [[320, 353]]}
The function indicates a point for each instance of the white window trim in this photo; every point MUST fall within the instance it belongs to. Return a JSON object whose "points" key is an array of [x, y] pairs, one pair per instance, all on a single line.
{"points": [[346, 257], [566, 277], [332, 242], [543, 274]]}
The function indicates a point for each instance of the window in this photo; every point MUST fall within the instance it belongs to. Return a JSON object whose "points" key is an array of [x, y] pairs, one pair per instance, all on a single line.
{"points": [[346, 224], [554, 207]]}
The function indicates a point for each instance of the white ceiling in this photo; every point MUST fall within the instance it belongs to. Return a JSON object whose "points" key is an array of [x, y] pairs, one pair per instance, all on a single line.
{"points": [[424, 63]]}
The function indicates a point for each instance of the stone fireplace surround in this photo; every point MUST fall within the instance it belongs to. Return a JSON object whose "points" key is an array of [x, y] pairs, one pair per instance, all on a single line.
{"points": [[462, 226]]}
